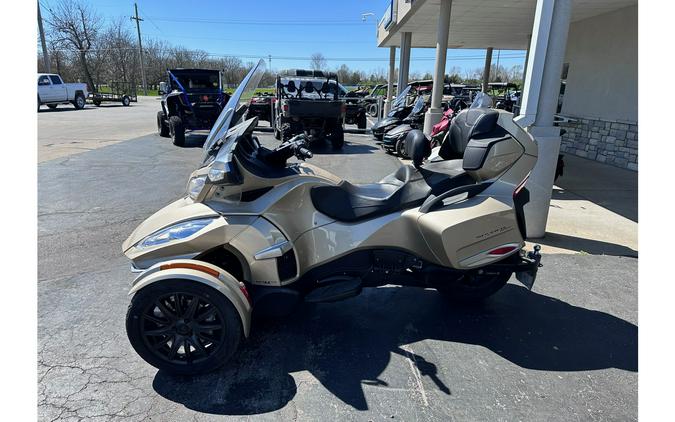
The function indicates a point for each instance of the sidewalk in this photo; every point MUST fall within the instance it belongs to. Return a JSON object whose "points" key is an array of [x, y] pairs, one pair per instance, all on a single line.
{"points": [[594, 210]]}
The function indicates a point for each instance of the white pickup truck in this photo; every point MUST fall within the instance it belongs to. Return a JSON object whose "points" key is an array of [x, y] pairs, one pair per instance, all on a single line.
{"points": [[52, 91]]}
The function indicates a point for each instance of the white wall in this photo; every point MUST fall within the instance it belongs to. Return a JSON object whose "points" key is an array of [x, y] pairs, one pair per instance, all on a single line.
{"points": [[602, 53]]}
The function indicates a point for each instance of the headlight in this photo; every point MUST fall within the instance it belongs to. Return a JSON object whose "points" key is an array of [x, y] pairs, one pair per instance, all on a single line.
{"points": [[195, 186], [175, 232]]}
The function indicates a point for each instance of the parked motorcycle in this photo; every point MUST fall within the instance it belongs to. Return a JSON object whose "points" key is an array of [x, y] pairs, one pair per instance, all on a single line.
{"points": [[394, 139], [257, 233], [399, 110]]}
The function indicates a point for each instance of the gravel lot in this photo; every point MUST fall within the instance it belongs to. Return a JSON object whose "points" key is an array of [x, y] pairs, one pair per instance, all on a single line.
{"points": [[565, 351]]}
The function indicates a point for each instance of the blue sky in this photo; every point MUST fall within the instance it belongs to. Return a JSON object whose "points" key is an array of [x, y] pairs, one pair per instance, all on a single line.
{"points": [[284, 29]]}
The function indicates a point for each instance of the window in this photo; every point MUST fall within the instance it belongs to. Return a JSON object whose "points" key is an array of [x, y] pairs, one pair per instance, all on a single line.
{"points": [[563, 85], [56, 80], [43, 80]]}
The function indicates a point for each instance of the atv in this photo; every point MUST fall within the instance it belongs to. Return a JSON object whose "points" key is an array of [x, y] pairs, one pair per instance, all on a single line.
{"points": [[192, 99]]}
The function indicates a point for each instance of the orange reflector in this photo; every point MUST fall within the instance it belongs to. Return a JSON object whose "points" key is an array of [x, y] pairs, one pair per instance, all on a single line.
{"points": [[502, 251], [190, 266]]}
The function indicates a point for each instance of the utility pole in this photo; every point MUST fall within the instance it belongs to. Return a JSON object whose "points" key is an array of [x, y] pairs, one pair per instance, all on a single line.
{"points": [[45, 54], [269, 58], [140, 48]]}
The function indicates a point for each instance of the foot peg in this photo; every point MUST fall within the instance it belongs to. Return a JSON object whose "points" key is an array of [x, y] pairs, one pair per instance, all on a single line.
{"points": [[335, 289]]}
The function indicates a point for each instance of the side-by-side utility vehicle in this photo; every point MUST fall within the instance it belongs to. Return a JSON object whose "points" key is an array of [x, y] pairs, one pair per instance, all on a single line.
{"points": [[308, 102], [259, 230], [192, 99]]}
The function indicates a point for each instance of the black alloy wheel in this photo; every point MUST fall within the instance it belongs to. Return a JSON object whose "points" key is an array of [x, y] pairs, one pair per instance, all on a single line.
{"points": [[188, 330]]}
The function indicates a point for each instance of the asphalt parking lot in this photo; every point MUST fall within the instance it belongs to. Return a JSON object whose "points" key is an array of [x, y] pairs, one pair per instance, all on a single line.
{"points": [[565, 351]]}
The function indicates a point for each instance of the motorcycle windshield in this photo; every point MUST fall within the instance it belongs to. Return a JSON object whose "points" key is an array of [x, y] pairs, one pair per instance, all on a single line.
{"points": [[399, 101], [419, 105], [235, 108], [481, 100]]}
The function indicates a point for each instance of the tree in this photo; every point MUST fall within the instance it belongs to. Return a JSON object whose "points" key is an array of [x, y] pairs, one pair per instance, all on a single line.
{"points": [[75, 24], [317, 61]]}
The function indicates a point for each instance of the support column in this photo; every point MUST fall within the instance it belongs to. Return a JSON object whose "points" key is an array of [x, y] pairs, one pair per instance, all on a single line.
{"points": [[404, 60], [435, 112], [390, 82], [540, 100], [486, 69], [527, 59]]}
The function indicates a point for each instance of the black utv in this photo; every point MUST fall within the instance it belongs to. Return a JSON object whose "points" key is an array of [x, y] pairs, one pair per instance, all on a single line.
{"points": [[192, 99], [308, 102]]}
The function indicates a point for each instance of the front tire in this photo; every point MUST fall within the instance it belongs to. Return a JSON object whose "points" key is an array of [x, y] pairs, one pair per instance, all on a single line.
{"points": [[177, 131], [126, 101], [337, 138], [162, 127], [183, 327], [400, 148], [474, 287]]}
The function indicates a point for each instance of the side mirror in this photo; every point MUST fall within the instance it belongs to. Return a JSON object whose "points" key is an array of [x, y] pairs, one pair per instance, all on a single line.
{"points": [[163, 89]]}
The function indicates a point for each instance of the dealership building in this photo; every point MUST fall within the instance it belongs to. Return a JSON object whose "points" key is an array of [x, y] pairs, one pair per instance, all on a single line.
{"points": [[580, 72]]}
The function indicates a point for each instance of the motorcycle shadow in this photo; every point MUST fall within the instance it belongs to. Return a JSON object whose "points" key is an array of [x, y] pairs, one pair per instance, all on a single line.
{"points": [[347, 344]]}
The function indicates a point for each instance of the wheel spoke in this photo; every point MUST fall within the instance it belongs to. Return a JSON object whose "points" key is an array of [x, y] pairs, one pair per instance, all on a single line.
{"points": [[210, 312], [179, 308], [160, 343], [166, 311], [174, 347], [155, 320], [209, 327], [160, 331], [186, 349], [192, 308], [197, 344], [208, 338]]}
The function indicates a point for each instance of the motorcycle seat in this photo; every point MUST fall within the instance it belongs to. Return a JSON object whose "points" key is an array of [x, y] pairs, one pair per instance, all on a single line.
{"points": [[407, 187]]}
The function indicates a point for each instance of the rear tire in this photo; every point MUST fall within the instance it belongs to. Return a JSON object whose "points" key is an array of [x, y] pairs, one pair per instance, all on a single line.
{"points": [[473, 287], [177, 131], [337, 138], [126, 101], [207, 349], [79, 102], [162, 127], [361, 121]]}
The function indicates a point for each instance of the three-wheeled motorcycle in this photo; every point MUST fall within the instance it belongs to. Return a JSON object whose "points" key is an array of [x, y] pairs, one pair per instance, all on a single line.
{"points": [[259, 231]]}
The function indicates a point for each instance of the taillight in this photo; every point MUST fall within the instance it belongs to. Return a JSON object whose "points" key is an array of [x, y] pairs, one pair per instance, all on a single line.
{"points": [[242, 287], [503, 250], [521, 185], [343, 108]]}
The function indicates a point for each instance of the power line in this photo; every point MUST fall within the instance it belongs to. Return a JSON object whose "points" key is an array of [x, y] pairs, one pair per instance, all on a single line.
{"points": [[261, 22]]}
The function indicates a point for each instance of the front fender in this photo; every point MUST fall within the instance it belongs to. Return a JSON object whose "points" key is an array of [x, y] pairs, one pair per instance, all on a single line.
{"points": [[196, 271]]}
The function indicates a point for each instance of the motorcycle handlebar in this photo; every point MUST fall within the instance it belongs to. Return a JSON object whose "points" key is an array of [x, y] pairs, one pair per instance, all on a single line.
{"points": [[305, 153]]}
